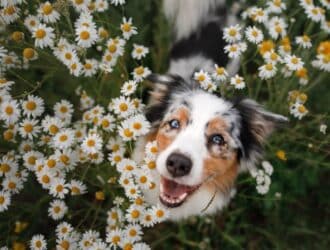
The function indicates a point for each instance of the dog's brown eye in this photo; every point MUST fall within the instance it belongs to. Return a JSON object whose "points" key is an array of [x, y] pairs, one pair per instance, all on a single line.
{"points": [[217, 139], [174, 124]]}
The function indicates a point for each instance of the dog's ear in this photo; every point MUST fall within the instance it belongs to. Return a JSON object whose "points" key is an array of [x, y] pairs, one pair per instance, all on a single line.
{"points": [[256, 125], [162, 86]]}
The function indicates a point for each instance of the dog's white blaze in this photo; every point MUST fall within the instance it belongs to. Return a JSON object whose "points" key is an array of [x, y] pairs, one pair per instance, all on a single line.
{"points": [[191, 141]]}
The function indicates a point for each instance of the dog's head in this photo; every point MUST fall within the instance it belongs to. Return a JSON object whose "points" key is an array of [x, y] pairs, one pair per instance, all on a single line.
{"points": [[204, 141]]}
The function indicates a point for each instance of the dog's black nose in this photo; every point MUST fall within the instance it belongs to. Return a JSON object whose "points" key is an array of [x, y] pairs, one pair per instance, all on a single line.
{"points": [[178, 164]]}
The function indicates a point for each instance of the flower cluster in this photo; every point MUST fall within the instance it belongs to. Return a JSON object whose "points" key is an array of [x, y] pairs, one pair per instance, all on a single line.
{"points": [[56, 148], [262, 177]]}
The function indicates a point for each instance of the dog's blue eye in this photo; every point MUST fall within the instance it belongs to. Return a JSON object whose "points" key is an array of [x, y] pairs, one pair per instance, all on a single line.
{"points": [[174, 124], [217, 139]]}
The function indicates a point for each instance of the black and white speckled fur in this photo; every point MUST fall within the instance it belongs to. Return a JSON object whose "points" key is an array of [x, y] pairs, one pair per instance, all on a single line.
{"points": [[197, 31]]}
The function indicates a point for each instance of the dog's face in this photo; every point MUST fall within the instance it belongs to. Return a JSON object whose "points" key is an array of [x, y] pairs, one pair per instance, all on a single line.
{"points": [[203, 141]]}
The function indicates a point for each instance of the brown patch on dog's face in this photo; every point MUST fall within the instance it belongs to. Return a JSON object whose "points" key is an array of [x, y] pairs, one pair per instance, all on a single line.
{"points": [[221, 166], [166, 134]]}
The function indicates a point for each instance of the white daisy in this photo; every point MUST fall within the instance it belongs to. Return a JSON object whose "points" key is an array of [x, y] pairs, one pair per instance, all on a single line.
{"points": [[38, 242], [220, 73], [202, 77], [235, 50], [139, 51], [10, 13], [58, 188], [44, 36], [316, 14], [92, 144], [47, 13], [304, 41], [31, 22], [90, 67], [45, 177], [133, 232], [33, 106], [57, 209], [267, 71], [51, 125], [134, 213], [139, 125], [238, 82], [159, 213], [77, 187], [128, 88], [254, 35], [107, 123], [6, 84], [64, 139], [12, 184], [272, 57], [141, 246], [115, 237], [275, 6], [121, 106], [86, 36], [10, 111], [101, 5], [29, 128], [8, 166], [81, 5], [30, 54], [5, 200], [127, 28], [63, 109], [232, 34], [293, 62], [277, 27], [140, 73], [151, 149], [63, 230], [30, 159]]}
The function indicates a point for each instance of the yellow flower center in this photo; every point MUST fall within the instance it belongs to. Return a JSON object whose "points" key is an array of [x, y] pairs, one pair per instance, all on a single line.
{"points": [[123, 107], [152, 165], [75, 190], [63, 138], [232, 32], [266, 46], [17, 36], [53, 129], [31, 105], [126, 27], [117, 158], [143, 179], [105, 123], [59, 188], [28, 53], [64, 109], [295, 60], [115, 239], [45, 179], [32, 160], [68, 56], [88, 66], [269, 67], [84, 35], [135, 214], [9, 110], [91, 143], [40, 33], [28, 128], [137, 125], [128, 133], [11, 185], [112, 48], [47, 9], [51, 163], [2, 200], [8, 134], [139, 70], [10, 10], [4, 168], [302, 109], [132, 232], [139, 201], [65, 244], [201, 78], [278, 29], [38, 244], [79, 1], [160, 213], [154, 150]]}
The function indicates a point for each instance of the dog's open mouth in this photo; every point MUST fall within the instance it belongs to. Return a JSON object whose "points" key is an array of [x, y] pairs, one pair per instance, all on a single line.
{"points": [[173, 194]]}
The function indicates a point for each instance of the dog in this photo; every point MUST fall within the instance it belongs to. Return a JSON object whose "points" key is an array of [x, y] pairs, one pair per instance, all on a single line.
{"points": [[204, 140]]}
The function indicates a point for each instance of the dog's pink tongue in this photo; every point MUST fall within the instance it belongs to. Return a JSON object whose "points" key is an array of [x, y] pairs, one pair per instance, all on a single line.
{"points": [[173, 189]]}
